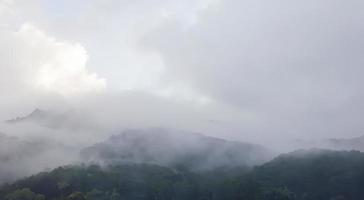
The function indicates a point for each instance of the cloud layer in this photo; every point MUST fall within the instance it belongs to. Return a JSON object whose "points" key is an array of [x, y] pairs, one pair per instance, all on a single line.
{"points": [[254, 70], [33, 60], [295, 66]]}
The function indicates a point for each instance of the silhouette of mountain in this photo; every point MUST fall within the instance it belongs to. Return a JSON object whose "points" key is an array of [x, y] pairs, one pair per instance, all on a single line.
{"points": [[55, 120], [173, 148]]}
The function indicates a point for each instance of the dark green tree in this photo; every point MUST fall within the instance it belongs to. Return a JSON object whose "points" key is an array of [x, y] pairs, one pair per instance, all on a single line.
{"points": [[24, 194], [76, 196]]}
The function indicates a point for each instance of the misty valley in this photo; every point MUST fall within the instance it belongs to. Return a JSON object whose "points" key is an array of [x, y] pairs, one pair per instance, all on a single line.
{"points": [[167, 164]]}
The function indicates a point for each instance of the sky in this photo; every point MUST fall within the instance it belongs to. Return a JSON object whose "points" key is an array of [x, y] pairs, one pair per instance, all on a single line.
{"points": [[252, 70]]}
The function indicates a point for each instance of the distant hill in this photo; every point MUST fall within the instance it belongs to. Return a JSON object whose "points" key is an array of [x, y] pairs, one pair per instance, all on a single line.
{"points": [[39, 116], [69, 120], [36, 115], [356, 143], [172, 148]]}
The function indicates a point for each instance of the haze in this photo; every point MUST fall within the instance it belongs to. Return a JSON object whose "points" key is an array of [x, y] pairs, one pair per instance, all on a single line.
{"points": [[259, 71]]}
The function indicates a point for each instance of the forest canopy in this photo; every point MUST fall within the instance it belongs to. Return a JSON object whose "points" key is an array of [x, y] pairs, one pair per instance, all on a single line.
{"points": [[301, 175]]}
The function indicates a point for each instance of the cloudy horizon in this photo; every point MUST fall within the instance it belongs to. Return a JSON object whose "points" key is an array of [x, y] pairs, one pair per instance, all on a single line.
{"points": [[255, 71]]}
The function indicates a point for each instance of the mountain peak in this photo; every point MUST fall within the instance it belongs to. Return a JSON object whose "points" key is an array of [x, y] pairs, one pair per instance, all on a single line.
{"points": [[174, 148], [35, 114]]}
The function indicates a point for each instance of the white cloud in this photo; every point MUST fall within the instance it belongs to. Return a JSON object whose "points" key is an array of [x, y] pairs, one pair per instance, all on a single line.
{"points": [[294, 68], [32, 60]]}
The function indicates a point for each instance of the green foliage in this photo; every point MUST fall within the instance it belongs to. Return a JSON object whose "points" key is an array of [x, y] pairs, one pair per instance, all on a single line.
{"points": [[316, 174], [302, 175], [279, 194], [95, 194], [76, 196], [24, 194]]}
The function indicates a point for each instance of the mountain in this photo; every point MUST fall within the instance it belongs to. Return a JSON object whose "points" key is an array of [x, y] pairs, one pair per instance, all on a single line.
{"points": [[68, 120], [43, 118], [172, 148], [356, 143], [37, 116]]}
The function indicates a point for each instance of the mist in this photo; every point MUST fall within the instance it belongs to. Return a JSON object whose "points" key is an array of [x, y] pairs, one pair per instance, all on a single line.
{"points": [[280, 75]]}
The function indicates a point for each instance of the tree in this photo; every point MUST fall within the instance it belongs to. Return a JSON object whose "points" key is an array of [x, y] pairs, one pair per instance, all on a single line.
{"points": [[96, 194], [62, 186], [24, 194], [76, 196], [114, 196], [279, 194]]}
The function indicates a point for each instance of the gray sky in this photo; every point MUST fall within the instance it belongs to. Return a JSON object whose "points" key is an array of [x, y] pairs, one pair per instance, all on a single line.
{"points": [[254, 70]]}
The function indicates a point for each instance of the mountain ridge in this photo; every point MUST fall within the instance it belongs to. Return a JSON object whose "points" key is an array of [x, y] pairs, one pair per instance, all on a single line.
{"points": [[167, 148]]}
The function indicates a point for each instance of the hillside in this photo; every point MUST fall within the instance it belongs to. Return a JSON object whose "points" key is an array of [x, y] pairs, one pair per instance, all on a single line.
{"points": [[172, 148], [133, 182], [316, 174], [301, 175]]}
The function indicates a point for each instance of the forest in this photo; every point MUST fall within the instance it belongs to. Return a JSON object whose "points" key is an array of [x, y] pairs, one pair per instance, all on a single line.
{"points": [[301, 175]]}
